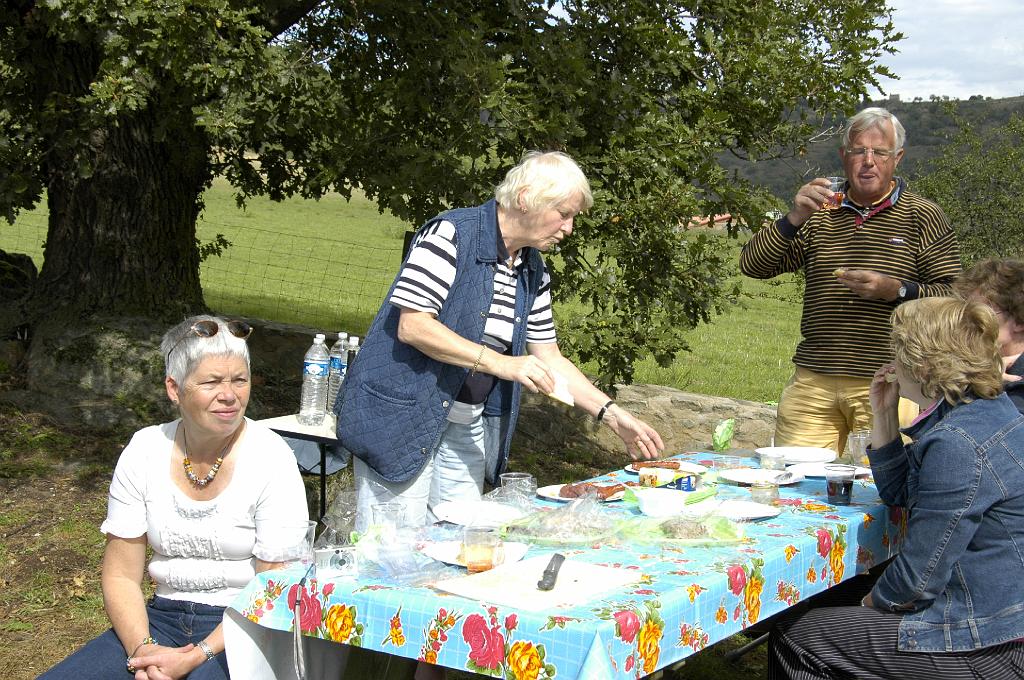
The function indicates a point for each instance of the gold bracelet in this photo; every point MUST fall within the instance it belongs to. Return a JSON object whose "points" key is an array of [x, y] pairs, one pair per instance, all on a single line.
{"points": [[148, 640], [476, 364]]}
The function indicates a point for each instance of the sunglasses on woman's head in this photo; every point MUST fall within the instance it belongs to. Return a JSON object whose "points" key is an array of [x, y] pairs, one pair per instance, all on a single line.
{"points": [[208, 328]]}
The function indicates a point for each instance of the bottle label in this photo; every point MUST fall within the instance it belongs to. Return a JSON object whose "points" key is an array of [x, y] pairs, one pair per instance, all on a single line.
{"points": [[338, 364], [314, 367]]}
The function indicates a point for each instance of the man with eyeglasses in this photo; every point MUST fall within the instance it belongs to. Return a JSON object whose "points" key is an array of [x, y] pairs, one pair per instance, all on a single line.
{"points": [[877, 246]]}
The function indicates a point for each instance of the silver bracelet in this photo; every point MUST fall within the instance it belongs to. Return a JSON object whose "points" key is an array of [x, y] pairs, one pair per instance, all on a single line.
{"points": [[206, 650]]}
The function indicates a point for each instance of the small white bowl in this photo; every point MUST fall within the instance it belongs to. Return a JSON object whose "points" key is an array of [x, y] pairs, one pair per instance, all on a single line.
{"points": [[661, 502]]}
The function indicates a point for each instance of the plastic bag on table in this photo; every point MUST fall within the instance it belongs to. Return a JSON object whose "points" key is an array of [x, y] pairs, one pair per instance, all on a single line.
{"points": [[680, 529], [331, 536], [580, 521], [395, 557], [341, 517], [515, 496]]}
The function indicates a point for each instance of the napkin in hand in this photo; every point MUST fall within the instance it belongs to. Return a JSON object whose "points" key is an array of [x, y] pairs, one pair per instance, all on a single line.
{"points": [[561, 392]]}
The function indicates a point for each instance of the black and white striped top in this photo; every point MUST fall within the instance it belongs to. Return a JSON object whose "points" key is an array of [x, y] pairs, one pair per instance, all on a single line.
{"points": [[430, 271]]}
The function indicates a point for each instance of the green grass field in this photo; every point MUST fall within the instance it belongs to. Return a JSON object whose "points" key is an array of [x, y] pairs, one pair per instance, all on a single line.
{"points": [[328, 263]]}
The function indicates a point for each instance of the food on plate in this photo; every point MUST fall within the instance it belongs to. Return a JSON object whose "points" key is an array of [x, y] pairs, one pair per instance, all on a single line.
{"points": [[583, 488], [664, 464], [684, 527], [655, 476], [582, 521]]}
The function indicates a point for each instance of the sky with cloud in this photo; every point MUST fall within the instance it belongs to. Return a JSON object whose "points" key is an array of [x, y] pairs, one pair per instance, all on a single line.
{"points": [[957, 48]]}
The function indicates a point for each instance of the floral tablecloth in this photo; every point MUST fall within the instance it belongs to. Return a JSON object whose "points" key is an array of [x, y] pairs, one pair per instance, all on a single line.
{"points": [[686, 598]]}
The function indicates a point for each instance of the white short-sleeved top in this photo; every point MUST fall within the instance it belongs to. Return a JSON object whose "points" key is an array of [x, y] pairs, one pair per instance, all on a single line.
{"points": [[204, 551]]}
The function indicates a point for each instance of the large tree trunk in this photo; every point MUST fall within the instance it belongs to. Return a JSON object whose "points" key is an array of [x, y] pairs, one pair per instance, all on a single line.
{"points": [[122, 238]]}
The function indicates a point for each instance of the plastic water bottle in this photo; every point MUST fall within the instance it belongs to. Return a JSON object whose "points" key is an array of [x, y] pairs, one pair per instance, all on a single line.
{"points": [[339, 362], [353, 349], [314, 383]]}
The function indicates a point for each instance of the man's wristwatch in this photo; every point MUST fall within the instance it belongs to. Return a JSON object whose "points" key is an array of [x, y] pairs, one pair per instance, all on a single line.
{"points": [[901, 294]]}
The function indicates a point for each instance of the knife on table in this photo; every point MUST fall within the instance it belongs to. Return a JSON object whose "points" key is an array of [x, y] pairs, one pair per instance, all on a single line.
{"points": [[550, 575]]}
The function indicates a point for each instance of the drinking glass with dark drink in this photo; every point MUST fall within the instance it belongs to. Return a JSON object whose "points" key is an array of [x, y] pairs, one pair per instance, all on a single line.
{"points": [[839, 483], [837, 185]]}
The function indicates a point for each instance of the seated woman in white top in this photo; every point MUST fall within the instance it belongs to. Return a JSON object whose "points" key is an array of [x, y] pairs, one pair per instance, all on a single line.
{"points": [[215, 495]]}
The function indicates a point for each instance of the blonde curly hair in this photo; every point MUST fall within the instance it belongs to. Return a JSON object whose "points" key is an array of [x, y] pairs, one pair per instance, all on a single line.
{"points": [[950, 347]]}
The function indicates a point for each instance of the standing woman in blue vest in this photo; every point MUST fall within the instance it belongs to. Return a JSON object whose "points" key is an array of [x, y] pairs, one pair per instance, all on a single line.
{"points": [[429, 408]]}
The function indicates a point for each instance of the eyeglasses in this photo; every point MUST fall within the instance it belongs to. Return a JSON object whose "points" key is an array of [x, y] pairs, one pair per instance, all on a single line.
{"points": [[208, 328], [863, 151]]}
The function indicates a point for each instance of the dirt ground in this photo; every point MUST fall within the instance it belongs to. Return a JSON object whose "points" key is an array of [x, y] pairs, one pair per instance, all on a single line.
{"points": [[49, 580]]}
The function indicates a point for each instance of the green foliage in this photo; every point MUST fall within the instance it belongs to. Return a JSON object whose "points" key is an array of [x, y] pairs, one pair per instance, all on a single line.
{"points": [[214, 247], [424, 105], [978, 179], [645, 95]]}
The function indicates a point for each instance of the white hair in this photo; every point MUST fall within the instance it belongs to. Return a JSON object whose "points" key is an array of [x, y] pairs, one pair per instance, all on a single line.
{"points": [[543, 180], [184, 350], [874, 117]]}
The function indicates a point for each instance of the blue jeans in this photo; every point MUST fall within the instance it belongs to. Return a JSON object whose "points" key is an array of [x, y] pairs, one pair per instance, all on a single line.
{"points": [[172, 623], [455, 471]]}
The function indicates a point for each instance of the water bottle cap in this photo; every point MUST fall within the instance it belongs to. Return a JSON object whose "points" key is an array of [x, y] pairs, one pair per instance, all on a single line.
{"points": [[342, 335], [354, 339], [319, 337]]}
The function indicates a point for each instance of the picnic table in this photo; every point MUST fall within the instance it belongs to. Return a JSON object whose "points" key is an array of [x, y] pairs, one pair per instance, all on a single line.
{"points": [[684, 598]]}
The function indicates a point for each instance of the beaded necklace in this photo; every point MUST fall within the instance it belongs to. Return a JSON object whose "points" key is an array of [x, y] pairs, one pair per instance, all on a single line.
{"points": [[187, 464]]}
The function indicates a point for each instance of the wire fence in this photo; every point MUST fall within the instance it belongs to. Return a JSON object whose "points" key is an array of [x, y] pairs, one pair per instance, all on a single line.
{"points": [[331, 283]]}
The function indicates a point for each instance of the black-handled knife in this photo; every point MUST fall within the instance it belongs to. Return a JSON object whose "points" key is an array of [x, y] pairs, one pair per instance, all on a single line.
{"points": [[547, 580]]}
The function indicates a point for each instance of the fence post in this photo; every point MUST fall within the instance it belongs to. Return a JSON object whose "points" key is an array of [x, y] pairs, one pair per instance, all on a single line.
{"points": [[407, 242]]}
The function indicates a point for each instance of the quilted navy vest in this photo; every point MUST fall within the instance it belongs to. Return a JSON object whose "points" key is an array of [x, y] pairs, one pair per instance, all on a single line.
{"points": [[393, 405]]}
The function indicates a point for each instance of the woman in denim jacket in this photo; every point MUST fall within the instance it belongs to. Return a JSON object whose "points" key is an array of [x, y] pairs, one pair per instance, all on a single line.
{"points": [[951, 604]]}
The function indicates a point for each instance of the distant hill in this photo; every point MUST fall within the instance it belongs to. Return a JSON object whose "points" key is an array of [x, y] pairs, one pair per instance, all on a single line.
{"points": [[928, 127]]}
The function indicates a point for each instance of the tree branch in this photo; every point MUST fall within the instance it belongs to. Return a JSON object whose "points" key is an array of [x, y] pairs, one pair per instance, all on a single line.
{"points": [[277, 16]]}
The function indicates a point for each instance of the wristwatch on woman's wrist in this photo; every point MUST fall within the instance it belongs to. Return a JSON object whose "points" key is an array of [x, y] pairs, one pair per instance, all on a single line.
{"points": [[206, 650]]}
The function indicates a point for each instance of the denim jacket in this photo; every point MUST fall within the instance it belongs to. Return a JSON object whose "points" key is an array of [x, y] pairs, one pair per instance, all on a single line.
{"points": [[959, 578], [394, 403]]}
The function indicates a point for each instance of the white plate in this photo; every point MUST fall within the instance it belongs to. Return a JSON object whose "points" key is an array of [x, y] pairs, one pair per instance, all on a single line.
{"points": [[737, 511], [802, 454], [479, 513], [689, 468], [551, 493], [448, 551], [753, 475], [818, 470]]}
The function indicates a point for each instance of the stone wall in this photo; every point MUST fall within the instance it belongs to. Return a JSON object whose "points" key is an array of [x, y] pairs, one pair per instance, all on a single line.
{"points": [[110, 372], [684, 420]]}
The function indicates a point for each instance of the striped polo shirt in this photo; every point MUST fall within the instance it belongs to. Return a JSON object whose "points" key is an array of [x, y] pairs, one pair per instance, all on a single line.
{"points": [[430, 271], [906, 236]]}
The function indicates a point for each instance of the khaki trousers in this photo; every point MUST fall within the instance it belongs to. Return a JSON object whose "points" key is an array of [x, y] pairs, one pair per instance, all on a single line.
{"points": [[819, 409]]}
